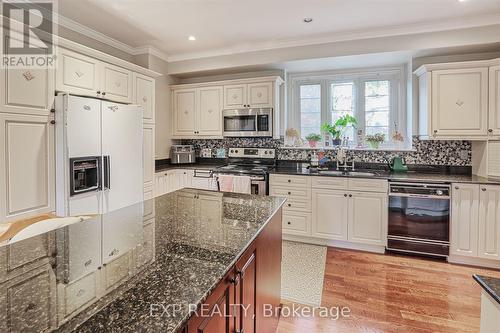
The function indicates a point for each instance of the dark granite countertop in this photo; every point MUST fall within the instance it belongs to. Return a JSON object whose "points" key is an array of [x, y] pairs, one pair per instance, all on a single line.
{"points": [[490, 285], [194, 238], [410, 176]]}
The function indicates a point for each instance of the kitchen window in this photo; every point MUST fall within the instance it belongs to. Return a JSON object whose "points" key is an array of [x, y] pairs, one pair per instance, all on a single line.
{"points": [[375, 98]]}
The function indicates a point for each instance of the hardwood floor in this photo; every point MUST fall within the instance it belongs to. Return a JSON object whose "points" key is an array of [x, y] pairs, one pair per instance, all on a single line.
{"points": [[393, 293]]}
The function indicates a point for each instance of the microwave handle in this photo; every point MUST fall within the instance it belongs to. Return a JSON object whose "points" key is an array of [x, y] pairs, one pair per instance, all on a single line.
{"points": [[107, 172]]}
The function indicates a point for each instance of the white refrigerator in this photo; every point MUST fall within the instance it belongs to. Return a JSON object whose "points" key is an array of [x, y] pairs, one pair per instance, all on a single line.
{"points": [[98, 155]]}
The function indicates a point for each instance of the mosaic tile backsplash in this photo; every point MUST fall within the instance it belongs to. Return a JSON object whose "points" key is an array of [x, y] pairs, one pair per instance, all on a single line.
{"points": [[454, 153]]}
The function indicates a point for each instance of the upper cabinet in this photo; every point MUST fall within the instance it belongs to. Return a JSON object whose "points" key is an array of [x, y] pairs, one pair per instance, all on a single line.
{"points": [[116, 83], [252, 95], [144, 95], [88, 76], [453, 100], [197, 108]]}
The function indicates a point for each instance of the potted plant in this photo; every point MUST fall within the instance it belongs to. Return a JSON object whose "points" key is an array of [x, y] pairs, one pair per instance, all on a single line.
{"points": [[375, 140], [313, 139], [337, 129]]}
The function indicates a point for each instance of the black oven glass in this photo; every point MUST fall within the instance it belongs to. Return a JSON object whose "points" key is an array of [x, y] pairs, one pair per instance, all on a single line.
{"points": [[239, 124], [263, 123], [419, 218]]}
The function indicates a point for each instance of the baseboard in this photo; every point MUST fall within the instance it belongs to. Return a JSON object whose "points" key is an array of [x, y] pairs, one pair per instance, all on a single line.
{"points": [[335, 243], [470, 261]]}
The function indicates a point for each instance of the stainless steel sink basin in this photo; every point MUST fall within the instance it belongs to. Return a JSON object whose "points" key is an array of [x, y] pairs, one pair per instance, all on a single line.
{"points": [[332, 173], [360, 174]]}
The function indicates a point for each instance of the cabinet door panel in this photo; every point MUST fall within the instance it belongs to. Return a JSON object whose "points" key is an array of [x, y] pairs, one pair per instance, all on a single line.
{"points": [[184, 112], [116, 83], [460, 102], [77, 74], [235, 96], [368, 218], [145, 96], [464, 219], [27, 161], [489, 222], [260, 95], [329, 214], [209, 120], [494, 106], [148, 151]]}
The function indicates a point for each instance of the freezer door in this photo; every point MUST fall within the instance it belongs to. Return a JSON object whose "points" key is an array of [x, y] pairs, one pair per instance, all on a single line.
{"points": [[83, 126], [122, 154]]}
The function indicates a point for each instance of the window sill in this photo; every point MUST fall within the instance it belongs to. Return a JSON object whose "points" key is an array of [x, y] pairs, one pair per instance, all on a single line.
{"points": [[388, 149]]}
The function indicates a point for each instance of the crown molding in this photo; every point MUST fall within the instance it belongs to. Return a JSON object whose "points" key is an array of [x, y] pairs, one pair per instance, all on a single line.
{"points": [[395, 30]]}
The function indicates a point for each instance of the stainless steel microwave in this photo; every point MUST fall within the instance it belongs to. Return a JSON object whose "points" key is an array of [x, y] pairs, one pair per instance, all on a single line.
{"points": [[254, 122]]}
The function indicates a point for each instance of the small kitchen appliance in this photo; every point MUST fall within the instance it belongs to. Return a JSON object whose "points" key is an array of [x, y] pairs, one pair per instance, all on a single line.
{"points": [[182, 154]]}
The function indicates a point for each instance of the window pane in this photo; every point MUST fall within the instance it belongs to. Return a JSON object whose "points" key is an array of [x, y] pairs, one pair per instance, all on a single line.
{"points": [[310, 109], [377, 107], [342, 94]]}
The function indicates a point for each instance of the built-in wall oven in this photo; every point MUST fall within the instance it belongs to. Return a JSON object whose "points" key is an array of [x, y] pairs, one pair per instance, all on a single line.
{"points": [[419, 218], [255, 122]]}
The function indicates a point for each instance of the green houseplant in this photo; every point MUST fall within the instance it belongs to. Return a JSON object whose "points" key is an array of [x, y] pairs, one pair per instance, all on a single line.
{"points": [[375, 140], [313, 139], [337, 129]]}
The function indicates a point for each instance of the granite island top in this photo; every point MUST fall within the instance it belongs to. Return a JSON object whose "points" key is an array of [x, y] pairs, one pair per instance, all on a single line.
{"points": [[490, 284], [177, 247]]}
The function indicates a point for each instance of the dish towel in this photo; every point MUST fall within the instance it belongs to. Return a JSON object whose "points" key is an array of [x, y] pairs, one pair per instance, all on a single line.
{"points": [[225, 183], [242, 184]]}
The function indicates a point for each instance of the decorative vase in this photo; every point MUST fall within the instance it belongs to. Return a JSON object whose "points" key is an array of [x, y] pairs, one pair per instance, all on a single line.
{"points": [[373, 144], [313, 144]]}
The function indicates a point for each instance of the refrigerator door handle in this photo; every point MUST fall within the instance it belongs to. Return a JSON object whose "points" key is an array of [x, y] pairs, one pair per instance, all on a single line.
{"points": [[107, 172]]}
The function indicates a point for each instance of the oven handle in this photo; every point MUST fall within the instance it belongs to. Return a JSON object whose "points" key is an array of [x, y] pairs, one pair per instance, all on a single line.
{"points": [[442, 197]]}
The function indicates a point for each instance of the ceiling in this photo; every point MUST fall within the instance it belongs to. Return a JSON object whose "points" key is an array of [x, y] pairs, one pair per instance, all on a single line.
{"points": [[235, 26]]}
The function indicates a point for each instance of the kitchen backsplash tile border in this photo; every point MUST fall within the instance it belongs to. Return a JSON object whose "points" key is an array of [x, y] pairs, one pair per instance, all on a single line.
{"points": [[426, 152]]}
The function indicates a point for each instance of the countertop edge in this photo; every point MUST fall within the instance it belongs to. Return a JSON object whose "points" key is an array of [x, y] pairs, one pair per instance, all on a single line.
{"points": [[487, 288]]}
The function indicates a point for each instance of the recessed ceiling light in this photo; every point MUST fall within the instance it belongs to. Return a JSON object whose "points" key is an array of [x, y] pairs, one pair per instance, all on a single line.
{"points": [[308, 20], [192, 38]]}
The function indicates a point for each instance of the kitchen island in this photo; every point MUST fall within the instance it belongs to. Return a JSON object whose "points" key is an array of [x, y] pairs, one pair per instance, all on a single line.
{"points": [[189, 253]]}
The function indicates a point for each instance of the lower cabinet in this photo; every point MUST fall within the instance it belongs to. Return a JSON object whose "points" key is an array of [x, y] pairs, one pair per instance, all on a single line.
{"points": [[358, 217], [251, 289], [475, 222]]}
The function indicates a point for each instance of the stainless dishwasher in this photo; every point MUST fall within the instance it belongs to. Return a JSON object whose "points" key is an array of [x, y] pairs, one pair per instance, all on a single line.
{"points": [[419, 218]]}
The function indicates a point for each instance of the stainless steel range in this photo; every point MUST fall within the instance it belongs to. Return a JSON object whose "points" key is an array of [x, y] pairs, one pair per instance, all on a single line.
{"points": [[252, 162]]}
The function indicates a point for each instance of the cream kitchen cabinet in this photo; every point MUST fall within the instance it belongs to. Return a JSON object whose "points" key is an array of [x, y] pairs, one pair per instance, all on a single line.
{"points": [[27, 91], [198, 112], [83, 75], [489, 222], [116, 83], [148, 152], [329, 214], [77, 73], [27, 160], [465, 220], [252, 95], [144, 95], [453, 101], [494, 101], [367, 218]]}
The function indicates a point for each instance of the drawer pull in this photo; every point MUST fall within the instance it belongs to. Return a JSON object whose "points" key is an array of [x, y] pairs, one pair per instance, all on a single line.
{"points": [[30, 307], [80, 292], [88, 262]]}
